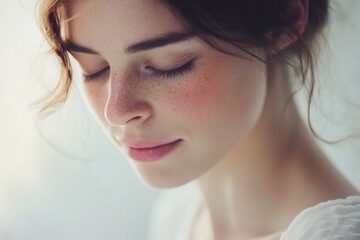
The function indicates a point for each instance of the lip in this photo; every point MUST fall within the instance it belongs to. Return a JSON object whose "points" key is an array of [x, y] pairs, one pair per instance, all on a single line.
{"points": [[151, 151]]}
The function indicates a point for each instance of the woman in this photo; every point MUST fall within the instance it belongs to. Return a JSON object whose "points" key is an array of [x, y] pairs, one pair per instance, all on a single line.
{"points": [[201, 91]]}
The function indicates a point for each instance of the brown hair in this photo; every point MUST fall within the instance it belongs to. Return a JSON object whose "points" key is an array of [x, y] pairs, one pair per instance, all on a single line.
{"points": [[49, 13], [240, 23]]}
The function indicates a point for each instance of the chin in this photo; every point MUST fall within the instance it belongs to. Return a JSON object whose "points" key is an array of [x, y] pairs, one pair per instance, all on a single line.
{"points": [[160, 179]]}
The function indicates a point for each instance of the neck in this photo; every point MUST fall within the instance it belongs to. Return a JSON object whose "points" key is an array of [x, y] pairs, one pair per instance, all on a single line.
{"points": [[267, 179]]}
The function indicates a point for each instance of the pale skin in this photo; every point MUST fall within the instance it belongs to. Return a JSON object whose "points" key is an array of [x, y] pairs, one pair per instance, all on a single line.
{"points": [[228, 112]]}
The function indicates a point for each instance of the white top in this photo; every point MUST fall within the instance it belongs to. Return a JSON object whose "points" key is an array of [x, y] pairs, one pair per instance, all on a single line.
{"points": [[339, 219]]}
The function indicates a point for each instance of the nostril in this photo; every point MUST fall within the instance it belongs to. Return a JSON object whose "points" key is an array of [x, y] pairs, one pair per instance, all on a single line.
{"points": [[117, 114], [134, 119]]}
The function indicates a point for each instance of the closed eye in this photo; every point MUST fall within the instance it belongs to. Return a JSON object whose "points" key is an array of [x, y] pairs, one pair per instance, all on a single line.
{"points": [[187, 67], [103, 72]]}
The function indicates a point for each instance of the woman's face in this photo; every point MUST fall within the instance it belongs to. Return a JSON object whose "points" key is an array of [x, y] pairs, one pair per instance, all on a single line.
{"points": [[175, 106]]}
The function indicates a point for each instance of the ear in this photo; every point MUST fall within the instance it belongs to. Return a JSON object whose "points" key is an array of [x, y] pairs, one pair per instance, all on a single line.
{"points": [[295, 19]]}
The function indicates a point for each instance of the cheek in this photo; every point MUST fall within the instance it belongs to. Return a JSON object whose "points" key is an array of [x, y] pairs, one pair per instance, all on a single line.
{"points": [[192, 97], [226, 96]]}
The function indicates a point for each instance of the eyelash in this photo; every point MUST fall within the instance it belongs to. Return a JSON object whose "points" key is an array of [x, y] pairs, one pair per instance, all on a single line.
{"points": [[97, 75], [187, 67]]}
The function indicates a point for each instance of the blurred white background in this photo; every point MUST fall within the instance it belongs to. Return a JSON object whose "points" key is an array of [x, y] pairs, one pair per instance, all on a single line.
{"points": [[85, 189]]}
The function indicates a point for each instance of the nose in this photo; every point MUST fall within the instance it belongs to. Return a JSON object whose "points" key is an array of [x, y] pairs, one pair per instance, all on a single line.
{"points": [[125, 103]]}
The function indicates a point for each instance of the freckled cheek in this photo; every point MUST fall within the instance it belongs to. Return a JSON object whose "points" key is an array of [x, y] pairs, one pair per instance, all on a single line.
{"points": [[192, 98]]}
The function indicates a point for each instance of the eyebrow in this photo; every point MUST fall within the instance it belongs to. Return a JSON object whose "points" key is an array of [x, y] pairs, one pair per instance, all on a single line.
{"points": [[161, 41]]}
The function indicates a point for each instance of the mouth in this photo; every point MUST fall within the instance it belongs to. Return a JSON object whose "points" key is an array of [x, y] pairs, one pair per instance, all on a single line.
{"points": [[149, 152]]}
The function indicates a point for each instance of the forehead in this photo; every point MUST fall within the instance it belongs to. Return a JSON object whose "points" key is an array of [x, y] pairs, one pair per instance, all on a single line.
{"points": [[120, 22]]}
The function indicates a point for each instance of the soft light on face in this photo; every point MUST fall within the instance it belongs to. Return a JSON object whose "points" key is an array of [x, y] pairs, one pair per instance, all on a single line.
{"points": [[184, 91]]}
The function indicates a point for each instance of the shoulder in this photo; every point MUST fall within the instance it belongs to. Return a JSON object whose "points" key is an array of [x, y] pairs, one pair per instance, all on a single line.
{"points": [[173, 213], [335, 219]]}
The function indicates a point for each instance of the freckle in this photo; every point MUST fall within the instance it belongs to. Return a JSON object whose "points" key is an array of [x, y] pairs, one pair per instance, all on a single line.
{"points": [[195, 96]]}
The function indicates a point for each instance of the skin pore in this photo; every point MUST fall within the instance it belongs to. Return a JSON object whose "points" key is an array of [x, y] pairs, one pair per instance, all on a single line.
{"points": [[255, 163]]}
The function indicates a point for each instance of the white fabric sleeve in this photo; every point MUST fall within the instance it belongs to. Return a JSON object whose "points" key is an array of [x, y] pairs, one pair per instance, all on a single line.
{"points": [[331, 220]]}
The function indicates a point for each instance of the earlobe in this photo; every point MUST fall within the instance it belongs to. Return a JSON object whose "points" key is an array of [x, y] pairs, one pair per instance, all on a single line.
{"points": [[294, 21]]}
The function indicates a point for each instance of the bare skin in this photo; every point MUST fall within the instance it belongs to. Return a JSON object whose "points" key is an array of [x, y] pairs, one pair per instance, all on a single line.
{"points": [[256, 164], [263, 190]]}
